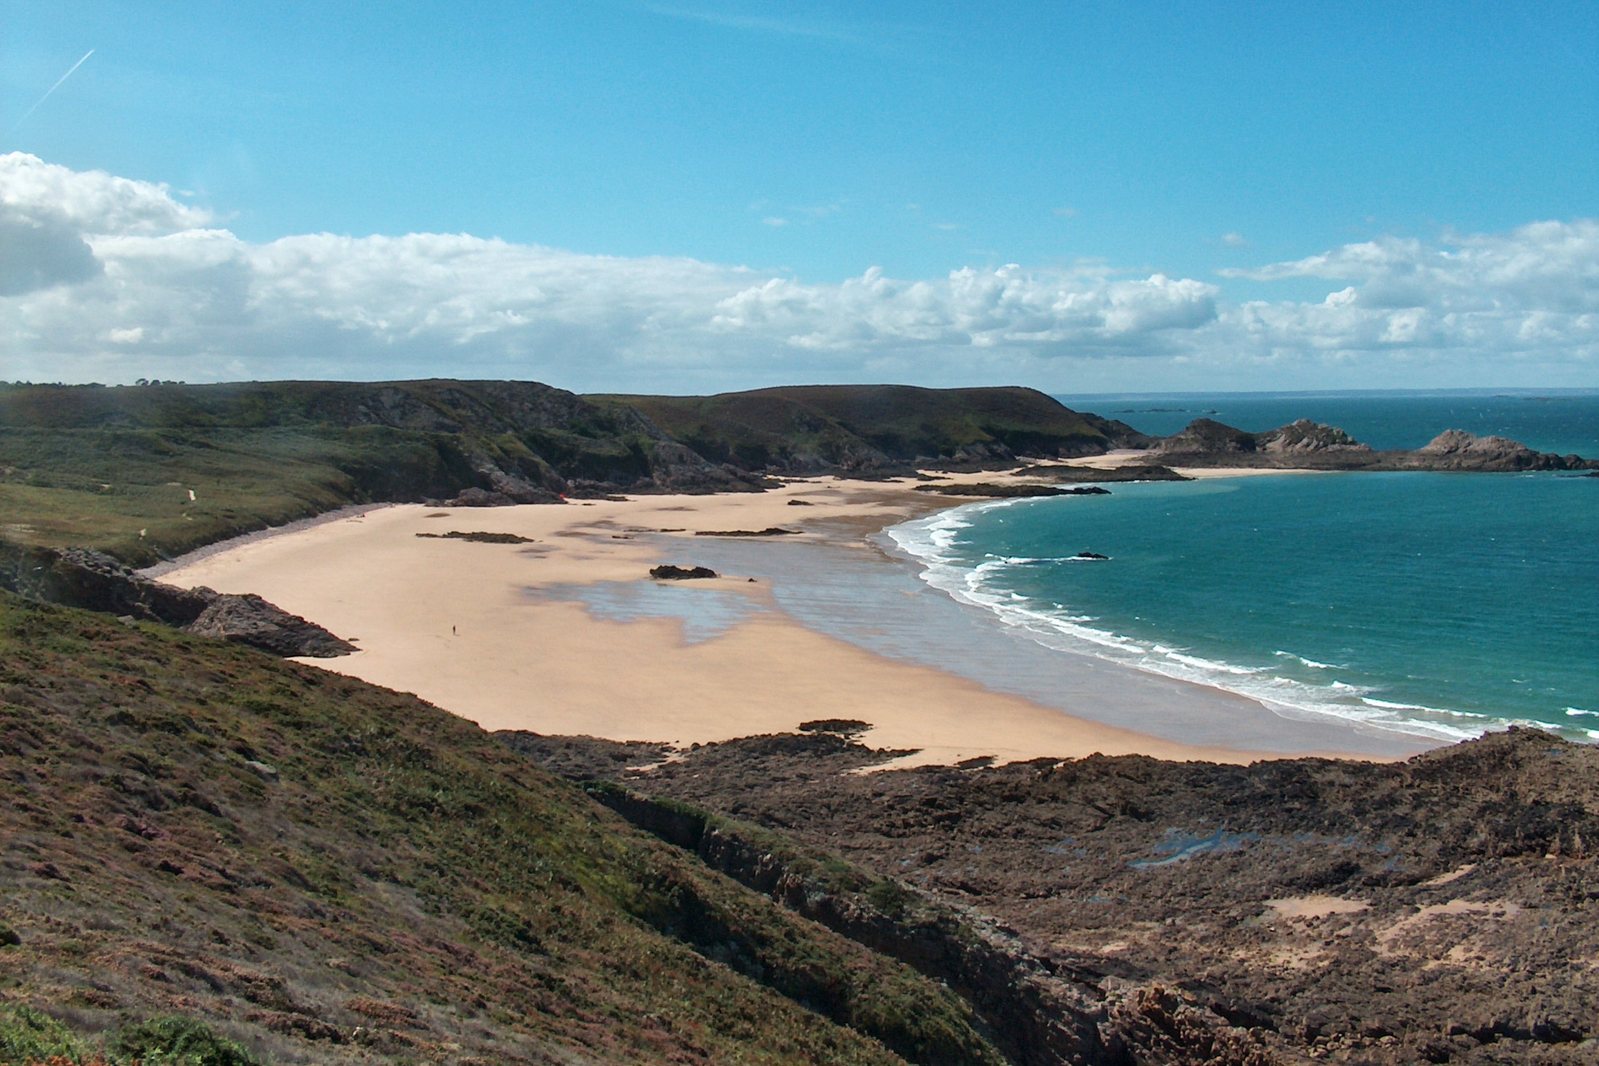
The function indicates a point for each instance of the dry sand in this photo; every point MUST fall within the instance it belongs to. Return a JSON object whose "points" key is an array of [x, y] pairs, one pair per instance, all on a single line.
{"points": [[468, 626]]}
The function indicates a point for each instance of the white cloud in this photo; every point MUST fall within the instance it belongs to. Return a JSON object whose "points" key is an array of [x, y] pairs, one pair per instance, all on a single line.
{"points": [[1543, 265], [1495, 299], [104, 278], [91, 201]]}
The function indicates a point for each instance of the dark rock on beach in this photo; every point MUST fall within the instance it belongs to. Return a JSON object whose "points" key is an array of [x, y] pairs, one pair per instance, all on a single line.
{"points": [[670, 572], [478, 537], [769, 531], [1066, 473]]}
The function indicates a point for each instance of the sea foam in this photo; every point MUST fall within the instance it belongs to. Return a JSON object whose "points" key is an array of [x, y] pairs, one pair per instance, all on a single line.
{"points": [[937, 544]]}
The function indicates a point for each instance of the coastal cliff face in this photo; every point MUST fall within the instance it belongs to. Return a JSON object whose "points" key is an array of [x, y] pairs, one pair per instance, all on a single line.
{"points": [[1311, 445]]}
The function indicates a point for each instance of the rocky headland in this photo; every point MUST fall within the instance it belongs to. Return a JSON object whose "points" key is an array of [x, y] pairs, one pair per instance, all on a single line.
{"points": [[1307, 445], [95, 581]]}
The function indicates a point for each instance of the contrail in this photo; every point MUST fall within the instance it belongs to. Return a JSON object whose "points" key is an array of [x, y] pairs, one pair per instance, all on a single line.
{"points": [[53, 88]]}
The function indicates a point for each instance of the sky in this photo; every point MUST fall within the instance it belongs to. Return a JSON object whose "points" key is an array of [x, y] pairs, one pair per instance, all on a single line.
{"points": [[702, 195]]}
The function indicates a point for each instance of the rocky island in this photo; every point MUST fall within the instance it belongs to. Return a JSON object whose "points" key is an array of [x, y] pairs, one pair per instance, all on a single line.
{"points": [[1307, 445]]}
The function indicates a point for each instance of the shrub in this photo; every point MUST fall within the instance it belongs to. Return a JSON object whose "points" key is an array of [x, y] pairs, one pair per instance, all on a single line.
{"points": [[31, 1036], [178, 1042]]}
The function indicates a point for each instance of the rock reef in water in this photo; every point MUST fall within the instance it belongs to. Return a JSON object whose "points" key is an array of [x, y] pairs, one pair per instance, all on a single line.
{"points": [[1455, 449], [1308, 445], [990, 489]]}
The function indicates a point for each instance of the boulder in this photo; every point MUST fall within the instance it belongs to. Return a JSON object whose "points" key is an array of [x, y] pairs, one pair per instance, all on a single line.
{"points": [[681, 573]]}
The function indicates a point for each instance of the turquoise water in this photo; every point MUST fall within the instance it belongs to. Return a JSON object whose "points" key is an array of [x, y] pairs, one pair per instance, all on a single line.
{"points": [[1438, 604]]}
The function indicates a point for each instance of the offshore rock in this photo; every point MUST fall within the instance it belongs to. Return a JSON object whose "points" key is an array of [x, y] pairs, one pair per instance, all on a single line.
{"points": [[1455, 449], [1310, 445]]}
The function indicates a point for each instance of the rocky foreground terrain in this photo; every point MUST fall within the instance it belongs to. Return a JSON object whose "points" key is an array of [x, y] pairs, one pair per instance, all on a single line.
{"points": [[1436, 910]]}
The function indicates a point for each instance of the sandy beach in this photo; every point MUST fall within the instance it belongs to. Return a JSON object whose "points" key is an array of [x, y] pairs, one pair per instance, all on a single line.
{"points": [[516, 635]]}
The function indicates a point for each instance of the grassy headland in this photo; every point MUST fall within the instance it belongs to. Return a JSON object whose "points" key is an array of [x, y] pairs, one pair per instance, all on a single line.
{"points": [[856, 427]]}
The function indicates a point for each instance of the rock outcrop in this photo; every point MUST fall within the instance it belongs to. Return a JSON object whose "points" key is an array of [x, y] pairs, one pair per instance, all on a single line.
{"points": [[1311, 445], [1037, 1012], [249, 619], [670, 572], [1434, 910], [1455, 449], [77, 577], [1012, 491]]}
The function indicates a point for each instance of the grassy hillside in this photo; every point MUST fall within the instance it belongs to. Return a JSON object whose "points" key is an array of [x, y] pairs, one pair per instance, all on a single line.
{"points": [[324, 871], [148, 472], [855, 426], [93, 467]]}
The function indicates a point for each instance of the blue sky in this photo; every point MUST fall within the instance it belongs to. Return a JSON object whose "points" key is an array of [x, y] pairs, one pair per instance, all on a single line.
{"points": [[692, 196]]}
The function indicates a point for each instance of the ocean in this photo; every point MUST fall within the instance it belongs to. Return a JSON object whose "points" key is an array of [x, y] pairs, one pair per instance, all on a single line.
{"points": [[1437, 605]]}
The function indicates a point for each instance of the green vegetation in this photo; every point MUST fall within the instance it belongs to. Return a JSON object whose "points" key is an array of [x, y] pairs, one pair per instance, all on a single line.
{"points": [[853, 426], [179, 1042], [320, 870], [148, 472], [113, 468], [30, 1037]]}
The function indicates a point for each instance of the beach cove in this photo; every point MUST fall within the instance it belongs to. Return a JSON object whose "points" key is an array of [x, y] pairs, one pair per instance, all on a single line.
{"points": [[565, 632]]}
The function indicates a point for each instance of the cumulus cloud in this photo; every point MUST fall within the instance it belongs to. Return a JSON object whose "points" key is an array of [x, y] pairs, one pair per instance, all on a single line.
{"points": [[40, 253], [1531, 292], [106, 278], [1543, 265], [92, 201]]}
